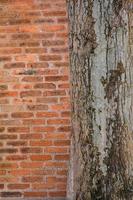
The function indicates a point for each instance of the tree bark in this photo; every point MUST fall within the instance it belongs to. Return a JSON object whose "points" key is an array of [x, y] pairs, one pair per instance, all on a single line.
{"points": [[102, 99]]}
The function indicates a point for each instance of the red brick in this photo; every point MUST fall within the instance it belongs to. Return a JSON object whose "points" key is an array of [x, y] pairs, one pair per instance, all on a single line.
{"points": [[16, 157], [10, 51], [54, 13], [34, 122], [28, 150], [1, 186], [8, 165], [17, 143], [61, 165], [62, 172], [57, 194], [66, 114], [7, 137], [47, 114], [32, 79], [26, 58], [31, 93], [44, 129], [58, 121], [35, 194], [50, 57], [18, 186], [22, 115], [14, 65], [41, 143], [31, 165], [18, 129], [37, 107], [62, 143], [37, 65], [19, 172], [8, 150], [49, 43], [55, 93], [10, 194], [31, 179], [30, 136], [2, 172], [45, 86], [2, 129], [49, 100], [56, 136], [8, 94], [64, 129], [41, 157], [3, 115], [53, 28], [56, 78], [61, 157], [55, 150], [36, 50]]}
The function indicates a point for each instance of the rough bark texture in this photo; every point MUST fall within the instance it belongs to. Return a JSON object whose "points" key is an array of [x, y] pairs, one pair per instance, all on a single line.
{"points": [[102, 99]]}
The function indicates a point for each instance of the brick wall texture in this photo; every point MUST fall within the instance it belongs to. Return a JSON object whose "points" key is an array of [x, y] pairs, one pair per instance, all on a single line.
{"points": [[34, 99]]}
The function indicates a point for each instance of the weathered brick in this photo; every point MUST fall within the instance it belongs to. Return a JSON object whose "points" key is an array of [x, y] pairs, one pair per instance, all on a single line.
{"points": [[31, 93], [31, 179], [10, 194], [37, 107], [8, 150], [14, 65]]}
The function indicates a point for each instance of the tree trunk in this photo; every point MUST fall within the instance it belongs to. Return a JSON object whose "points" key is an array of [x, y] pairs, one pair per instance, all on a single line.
{"points": [[102, 99]]}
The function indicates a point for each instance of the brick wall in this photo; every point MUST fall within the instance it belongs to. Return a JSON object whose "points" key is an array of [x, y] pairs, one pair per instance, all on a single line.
{"points": [[34, 99]]}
